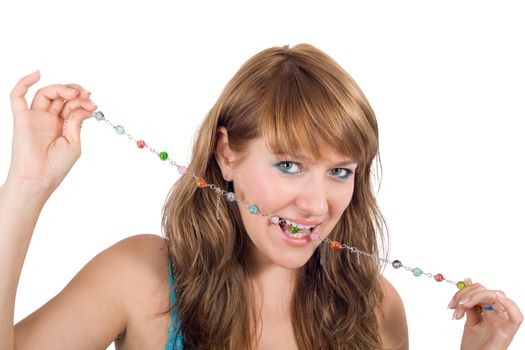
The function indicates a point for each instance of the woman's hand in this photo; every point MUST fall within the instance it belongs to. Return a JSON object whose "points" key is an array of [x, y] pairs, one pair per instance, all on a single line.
{"points": [[46, 136], [492, 318]]}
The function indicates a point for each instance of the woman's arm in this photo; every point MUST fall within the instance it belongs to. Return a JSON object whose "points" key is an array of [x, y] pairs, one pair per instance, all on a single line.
{"points": [[46, 144], [91, 311], [20, 206]]}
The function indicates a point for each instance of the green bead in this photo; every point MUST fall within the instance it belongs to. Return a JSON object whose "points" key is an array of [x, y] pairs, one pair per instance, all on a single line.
{"points": [[163, 155], [294, 229], [461, 284]]}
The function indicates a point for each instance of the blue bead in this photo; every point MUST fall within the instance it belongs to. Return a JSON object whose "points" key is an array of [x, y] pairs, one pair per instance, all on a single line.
{"points": [[489, 308], [417, 272], [119, 129], [253, 209]]}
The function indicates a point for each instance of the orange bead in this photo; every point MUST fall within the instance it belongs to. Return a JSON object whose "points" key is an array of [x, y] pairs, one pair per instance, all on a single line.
{"points": [[201, 183], [335, 245]]}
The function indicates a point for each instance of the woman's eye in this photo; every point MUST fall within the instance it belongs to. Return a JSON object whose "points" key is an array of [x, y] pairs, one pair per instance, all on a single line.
{"points": [[288, 167], [341, 173]]}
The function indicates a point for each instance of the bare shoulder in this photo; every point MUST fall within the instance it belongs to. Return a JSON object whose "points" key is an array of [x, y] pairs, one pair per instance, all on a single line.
{"points": [[143, 270], [120, 294], [146, 254], [140, 261], [392, 320]]}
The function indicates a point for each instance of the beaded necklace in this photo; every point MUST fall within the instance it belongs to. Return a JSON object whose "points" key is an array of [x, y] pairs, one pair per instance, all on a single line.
{"points": [[293, 229]]}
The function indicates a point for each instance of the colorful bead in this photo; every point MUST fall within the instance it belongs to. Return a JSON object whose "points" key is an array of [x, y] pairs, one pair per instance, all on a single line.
{"points": [[489, 308], [98, 115], [230, 196], [396, 264], [461, 284], [417, 272], [119, 129], [335, 245], [201, 183], [163, 155], [253, 209]]}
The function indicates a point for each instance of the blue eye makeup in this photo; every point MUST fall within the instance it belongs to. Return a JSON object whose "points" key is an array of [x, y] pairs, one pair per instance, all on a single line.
{"points": [[288, 167], [293, 168], [341, 173]]}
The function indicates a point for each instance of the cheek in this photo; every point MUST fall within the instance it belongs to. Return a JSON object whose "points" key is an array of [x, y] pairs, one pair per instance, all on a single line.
{"points": [[340, 197], [258, 185]]}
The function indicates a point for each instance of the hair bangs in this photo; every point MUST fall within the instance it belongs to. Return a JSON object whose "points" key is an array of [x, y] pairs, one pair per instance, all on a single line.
{"points": [[301, 115]]}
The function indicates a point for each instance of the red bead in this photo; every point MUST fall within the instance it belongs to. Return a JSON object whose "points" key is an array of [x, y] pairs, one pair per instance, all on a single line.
{"points": [[335, 245], [439, 277], [201, 183], [141, 144]]}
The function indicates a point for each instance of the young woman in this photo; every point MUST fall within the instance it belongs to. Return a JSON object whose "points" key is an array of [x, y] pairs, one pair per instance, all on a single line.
{"points": [[281, 166]]}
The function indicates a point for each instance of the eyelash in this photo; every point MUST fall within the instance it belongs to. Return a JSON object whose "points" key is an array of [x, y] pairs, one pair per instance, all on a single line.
{"points": [[279, 166]]}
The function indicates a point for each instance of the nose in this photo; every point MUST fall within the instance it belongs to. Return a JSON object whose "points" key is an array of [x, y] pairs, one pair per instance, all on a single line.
{"points": [[312, 200]]}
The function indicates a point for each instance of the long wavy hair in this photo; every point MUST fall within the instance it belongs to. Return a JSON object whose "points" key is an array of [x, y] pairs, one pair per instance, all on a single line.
{"points": [[295, 98]]}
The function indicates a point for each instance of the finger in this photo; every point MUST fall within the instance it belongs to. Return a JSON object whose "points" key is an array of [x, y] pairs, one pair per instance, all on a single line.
{"points": [[57, 105], [84, 93], [73, 124], [76, 104], [513, 312], [474, 315], [482, 297], [462, 297], [45, 96], [463, 294], [482, 302], [18, 99]]}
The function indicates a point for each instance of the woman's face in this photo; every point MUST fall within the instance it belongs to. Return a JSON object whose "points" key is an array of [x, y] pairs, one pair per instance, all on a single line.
{"points": [[294, 187]]}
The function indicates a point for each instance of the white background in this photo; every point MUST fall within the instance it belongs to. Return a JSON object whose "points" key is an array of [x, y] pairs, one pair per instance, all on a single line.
{"points": [[446, 80]]}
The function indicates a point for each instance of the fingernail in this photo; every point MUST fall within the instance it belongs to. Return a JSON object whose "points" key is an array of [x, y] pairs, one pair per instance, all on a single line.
{"points": [[450, 304], [468, 280], [501, 295], [92, 103], [455, 314], [73, 91]]}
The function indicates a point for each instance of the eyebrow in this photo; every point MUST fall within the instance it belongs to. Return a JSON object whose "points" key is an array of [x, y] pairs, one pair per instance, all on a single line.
{"points": [[303, 158]]}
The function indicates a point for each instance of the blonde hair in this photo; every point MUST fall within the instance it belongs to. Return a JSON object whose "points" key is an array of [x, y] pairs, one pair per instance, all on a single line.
{"points": [[295, 98]]}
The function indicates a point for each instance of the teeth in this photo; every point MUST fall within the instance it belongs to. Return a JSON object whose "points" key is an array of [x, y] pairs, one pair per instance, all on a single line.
{"points": [[299, 226]]}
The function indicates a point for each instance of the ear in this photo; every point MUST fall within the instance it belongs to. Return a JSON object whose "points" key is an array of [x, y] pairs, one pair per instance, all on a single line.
{"points": [[224, 154]]}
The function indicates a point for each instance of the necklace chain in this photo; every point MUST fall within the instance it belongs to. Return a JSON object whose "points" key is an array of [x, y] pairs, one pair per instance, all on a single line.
{"points": [[254, 209]]}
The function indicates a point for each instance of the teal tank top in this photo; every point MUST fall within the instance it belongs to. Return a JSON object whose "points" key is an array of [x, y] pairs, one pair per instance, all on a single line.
{"points": [[174, 343]]}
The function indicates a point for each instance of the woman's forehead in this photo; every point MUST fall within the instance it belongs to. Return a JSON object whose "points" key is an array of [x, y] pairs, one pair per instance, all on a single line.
{"points": [[305, 154]]}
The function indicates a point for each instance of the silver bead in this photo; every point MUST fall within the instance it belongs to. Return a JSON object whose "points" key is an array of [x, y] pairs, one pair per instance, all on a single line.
{"points": [[230, 196], [275, 220], [98, 115]]}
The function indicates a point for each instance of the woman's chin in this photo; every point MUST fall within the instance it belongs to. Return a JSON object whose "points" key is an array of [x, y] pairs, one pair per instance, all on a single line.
{"points": [[292, 262]]}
